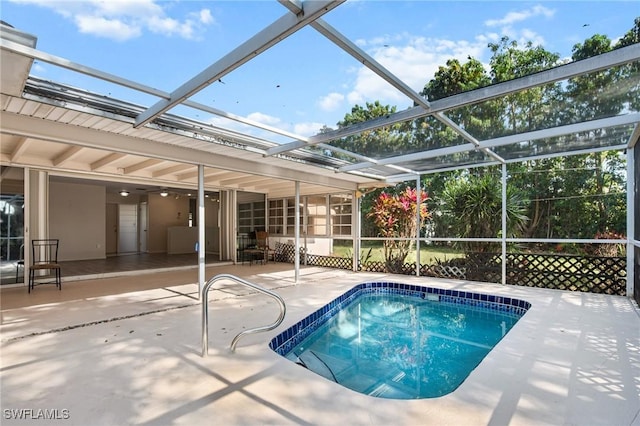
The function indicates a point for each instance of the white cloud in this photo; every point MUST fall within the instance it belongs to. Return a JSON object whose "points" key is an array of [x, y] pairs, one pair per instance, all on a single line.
{"points": [[169, 26], [414, 60], [522, 35], [205, 16], [519, 16], [331, 102], [116, 29], [264, 119], [125, 19], [236, 126], [527, 35], [302, 129], [124, 8], [307, 129], [38, 69]]}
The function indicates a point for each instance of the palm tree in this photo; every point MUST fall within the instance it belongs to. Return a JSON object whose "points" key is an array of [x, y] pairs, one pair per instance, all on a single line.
{"points": [[473, 205]]}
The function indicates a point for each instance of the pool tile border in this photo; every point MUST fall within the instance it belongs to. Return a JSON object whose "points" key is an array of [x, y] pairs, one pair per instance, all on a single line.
{"points": [[284, 342]]}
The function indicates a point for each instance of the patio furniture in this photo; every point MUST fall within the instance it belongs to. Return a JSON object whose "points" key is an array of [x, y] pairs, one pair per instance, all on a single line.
{"points": [[262, 243], [248, 249], [20, 262], [44, 263]]}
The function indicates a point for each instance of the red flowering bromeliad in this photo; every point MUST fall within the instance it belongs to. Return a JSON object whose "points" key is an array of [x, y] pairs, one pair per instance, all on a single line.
{"points": [[395, 216]]}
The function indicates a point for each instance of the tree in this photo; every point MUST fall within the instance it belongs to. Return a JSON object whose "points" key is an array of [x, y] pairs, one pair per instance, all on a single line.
{"points": [[474, 204], [628, 83], [449, 80], [388, 140], [395, 216], [455, 78], [381, 142], [594, 96]]}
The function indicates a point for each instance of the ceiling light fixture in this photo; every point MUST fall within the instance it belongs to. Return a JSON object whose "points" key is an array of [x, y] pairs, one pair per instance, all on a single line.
{"points": [[124, 193], [164, 193]]}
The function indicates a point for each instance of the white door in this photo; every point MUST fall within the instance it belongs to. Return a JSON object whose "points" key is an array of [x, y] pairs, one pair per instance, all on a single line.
{"points": [[128, 228]]}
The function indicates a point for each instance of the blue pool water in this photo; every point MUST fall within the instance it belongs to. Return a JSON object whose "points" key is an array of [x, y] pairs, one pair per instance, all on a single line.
{"points": [[400, 341]]}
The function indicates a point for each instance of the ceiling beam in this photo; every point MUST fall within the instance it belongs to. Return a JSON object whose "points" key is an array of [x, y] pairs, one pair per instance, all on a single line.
{"points": [[260, 42], [106, 160], [214, 174], [187, 176], [171, 170], [247, 180], [208, 177], [216, 177], [21, 148], [142, 165], [68, 155], [271, 186]]}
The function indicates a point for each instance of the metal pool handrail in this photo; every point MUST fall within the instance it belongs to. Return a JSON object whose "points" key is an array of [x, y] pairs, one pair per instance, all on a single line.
{"points": [[205, 311]]}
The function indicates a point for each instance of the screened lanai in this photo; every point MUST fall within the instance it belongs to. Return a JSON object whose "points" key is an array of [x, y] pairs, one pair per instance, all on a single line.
{"points": [[133, 135]]}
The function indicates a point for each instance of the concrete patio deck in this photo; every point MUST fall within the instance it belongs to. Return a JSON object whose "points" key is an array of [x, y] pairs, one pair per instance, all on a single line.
{"points": [[124, 351]]}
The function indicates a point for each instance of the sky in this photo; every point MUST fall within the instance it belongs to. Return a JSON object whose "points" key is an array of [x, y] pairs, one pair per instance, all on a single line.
{"points": [[305, 82]]}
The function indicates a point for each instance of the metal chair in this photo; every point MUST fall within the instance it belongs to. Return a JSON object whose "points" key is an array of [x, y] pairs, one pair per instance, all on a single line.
{"points": [[20, 262], [44, 257]]}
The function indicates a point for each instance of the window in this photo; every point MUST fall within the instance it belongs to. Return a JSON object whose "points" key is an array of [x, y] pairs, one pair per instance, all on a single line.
{"points": [[340, 208], [321, 214], [276, 217], [317, 216], [250, 217], [291, 216]]}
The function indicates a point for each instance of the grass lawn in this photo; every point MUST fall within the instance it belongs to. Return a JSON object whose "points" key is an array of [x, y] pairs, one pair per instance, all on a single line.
{"points": [[428, 254]]}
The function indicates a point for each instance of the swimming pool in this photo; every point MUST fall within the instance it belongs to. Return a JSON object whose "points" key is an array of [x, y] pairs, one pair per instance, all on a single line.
{"points": [[400, 341]]}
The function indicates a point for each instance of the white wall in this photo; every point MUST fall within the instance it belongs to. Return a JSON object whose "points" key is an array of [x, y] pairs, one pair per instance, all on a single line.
{"points": [[165, 212], [77, 217]]}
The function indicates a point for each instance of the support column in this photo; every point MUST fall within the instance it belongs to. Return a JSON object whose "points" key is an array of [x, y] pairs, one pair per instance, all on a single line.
{"points": [[297, 234], [504, 223], [36, 212], [27, 222], [39, 204], [202, 244], [632, 211], [418, 222], [356, 231]]}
